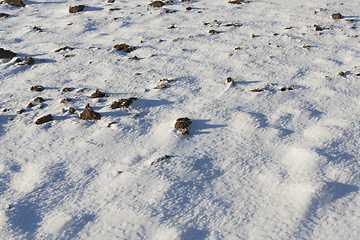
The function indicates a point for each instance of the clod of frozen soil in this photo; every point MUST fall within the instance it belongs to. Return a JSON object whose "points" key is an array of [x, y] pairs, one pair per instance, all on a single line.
{"points": [[72, 110], [257, 90], [37, 88], [18, 3], [336, 16], [4, 15], [122, 103], [89, 114], [156, 4], [182, 123], [6, 53], [230, 80], [124, 47], [38, 99], [29, 60], [64, 48], [235, 2], [44, 119], [66, 89], [98, 94], [76, 9], [161, 159]]}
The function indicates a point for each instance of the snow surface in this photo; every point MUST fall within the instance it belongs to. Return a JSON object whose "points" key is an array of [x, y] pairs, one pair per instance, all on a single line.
{"points": [[256, 165]]}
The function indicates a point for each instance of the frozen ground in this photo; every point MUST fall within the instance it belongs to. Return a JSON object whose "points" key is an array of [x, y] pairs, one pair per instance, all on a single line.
{"points": [[256, 165]]}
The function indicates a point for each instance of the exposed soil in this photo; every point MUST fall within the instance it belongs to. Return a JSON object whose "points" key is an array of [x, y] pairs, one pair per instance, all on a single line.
{"points": [[182, 123], [122, 103], [18, 3], [38, 99], [235, 2], [37, 88], [89, 114], [29, 60], [257, 90], [336, 16], [72, 110], [66, 89], [76, 9], [44, 119], [30, 105], [124, 47], [213, 31], [64, 48], [36, 29], [4, 15], [6, 53], [230, 80], [156, 4], [98, 94], [65, 100]]}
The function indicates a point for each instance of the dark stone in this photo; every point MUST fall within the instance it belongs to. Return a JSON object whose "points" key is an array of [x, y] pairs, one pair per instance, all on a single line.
{"points": [[72, 110], [336, 16], [230, 80], [124, 47], [98, 94], [66, 89], [156, 4], [18, 3], [38, 99], [65, 100], [4, 15], [29, 60], [38, 88], [64, 48], [76, 9], [122, 103], [30, 105], [6, 53], [44, 119], [182, 123], [89, 114], [235, 2], [213, 31]]}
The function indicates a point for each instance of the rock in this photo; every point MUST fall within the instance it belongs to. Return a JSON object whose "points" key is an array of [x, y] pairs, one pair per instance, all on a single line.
{"points": [[64, 48], [37, 88], [188, 8], [213, 31], [4, 15], [186, 0], [122, 103], [124, 47], [30, 105], [29, 60], [160, 160], [18, 3], [257, 90], [38, 99], [182, 123], [72, 110], [341, 73], [111, 1], [6, 53], [44, 119], [89, 114], [183, 132], [76, 9], [98, 94], [66, 89], [235, 2], [36, 28], [156, 4], [21, 111], [336, 16], [230, 80], [65, 100], [160, 86]]}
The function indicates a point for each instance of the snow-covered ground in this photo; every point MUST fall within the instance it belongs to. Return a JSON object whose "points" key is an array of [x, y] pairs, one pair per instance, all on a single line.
{"points": [[268, 164]]}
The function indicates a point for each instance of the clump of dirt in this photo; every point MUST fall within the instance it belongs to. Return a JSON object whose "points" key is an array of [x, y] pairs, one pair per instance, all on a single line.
{"points": [[235, 2], [183, 123], [156, 4], [37, 88], [89, 114], [36, 29], [336, 16], [287, 89], [29, 60], [111, 1], [114, 9], [213, 31], [160, 160], [98, 94], [66, 89], [318, 28], [76, 9], [30, 105], [72, 110], [21, 111], [6, 53], [122, 103], [341, 73], [18, 3], [257, 90], [38, 99], [133, 58], [160, 86], [4, 15], [306, 46], [64, 48], [124, 47], [232, 25], [253, 36], [65, 100], [44, 119], [230, 80], [171, 27]]}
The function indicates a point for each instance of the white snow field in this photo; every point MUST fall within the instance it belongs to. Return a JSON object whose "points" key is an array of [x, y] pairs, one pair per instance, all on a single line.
{"points": [[279, 162]]}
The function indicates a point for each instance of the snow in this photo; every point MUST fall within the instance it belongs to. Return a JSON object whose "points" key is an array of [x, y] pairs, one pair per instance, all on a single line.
{"points": [[256, 165]]}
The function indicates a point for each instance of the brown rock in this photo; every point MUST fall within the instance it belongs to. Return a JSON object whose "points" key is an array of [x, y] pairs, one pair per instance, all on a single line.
{"points": [[65, 100], [182, 123], [257, 90], [230, 80], [160, 86], [21, 111], [29, 60], [37, 88], [6, 53], [30, 105], [156, 4], [76, 9], [38, 99], [44, 119], [98, 94], [4, 15], [89, 114], [124, 47], [341, 73], [184, 131], [336, 16], [111, 1], [186, 0], [72, 110], [64, 48], [213, 31], [18, 3], [122, 103], [66, 89], [235, 2]]}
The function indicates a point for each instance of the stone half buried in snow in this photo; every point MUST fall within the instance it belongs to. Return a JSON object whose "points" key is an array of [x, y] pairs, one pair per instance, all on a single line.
{"points": [[122, 103], [44, 119], [89, 114], [37, 88], [4, 15], [235, 2], [18, 3], [182, 123], [336, 16], [6, 53], [124, 47], [76, 9], [156, 4], [98, 94]]}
